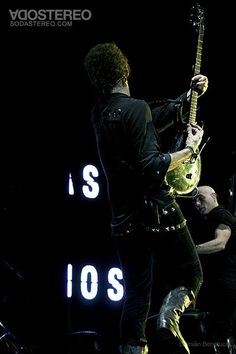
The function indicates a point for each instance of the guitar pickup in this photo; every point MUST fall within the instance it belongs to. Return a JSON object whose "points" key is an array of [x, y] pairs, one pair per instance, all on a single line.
{"points": [[189, 175]]}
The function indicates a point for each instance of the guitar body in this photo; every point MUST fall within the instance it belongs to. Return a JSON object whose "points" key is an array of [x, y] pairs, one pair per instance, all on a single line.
{"points": [[184, 178]]}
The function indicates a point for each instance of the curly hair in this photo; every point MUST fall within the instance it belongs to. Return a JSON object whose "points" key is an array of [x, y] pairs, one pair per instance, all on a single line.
{"points": [[106, 65]]}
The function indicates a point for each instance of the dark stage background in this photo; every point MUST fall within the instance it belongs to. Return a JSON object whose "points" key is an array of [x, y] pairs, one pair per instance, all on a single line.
{"points": [[46, 135]]}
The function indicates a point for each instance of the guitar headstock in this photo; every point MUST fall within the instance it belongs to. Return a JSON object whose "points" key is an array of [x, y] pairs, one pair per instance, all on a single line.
{"points": [[197, 16]]}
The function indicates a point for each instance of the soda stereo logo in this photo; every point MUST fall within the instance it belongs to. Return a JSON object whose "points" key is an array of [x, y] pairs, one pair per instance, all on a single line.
{"points": [[48, 17]]}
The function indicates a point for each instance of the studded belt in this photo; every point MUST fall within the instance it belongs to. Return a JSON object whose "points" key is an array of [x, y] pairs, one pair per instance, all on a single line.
{"points": [[165, 228], [154, 230]]}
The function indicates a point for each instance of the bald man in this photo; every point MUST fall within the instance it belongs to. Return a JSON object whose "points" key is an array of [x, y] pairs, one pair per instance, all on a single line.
{"points": [[220, 248]]}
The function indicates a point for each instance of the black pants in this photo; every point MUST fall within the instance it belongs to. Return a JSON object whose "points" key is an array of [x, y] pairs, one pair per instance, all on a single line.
{"points": [[173, 253], [225, 312], [219, 299]]}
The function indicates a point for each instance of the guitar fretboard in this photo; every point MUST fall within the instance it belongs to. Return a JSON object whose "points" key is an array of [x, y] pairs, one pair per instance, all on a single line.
{"points": [[197, 68]]}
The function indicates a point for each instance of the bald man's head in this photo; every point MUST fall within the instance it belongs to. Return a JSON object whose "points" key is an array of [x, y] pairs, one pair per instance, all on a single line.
{"points": [[206, 199]]}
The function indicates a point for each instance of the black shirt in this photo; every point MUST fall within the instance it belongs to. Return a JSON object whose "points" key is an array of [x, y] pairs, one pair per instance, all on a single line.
{"points": [[224, 261], [133, 164]]}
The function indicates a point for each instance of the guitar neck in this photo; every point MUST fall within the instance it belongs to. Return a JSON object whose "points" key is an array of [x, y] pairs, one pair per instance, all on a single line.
{"points": [[197, 68], [193, 107], [198, 60]]}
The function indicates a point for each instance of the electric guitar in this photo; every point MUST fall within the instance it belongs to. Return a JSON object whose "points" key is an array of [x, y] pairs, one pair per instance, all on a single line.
{"points": [[184, 178]]}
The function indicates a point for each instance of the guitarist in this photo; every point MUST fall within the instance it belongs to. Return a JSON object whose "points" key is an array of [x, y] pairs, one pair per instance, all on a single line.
{"points": [[147, 224]]}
